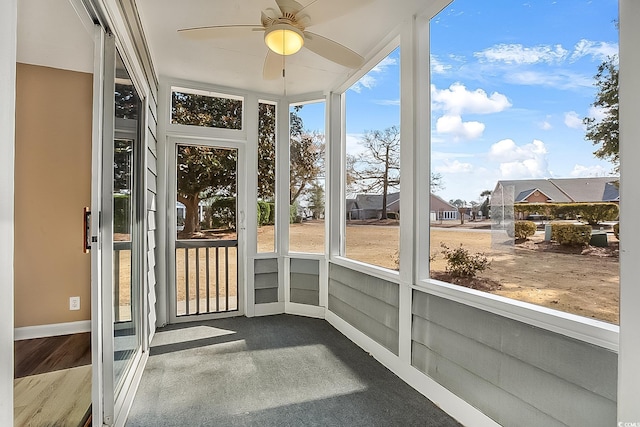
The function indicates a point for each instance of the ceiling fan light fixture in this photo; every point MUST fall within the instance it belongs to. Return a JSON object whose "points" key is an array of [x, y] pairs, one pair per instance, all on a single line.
{"points": [[284, 39]]}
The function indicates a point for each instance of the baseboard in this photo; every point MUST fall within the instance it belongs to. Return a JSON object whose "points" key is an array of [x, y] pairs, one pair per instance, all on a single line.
{"points": [[41, 331], [268, 309], [453, 405], [304, 310]]}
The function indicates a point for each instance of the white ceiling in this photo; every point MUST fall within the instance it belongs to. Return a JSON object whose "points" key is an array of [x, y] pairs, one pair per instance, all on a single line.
{"points": [[238, 62], [51, 34]]}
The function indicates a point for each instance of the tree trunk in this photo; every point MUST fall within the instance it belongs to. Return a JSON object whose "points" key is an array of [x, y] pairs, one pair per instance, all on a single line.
{"points": [[191, 220], [385, 186], [461, 211]]}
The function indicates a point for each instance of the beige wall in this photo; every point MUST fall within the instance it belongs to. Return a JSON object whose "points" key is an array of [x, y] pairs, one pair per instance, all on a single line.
{"points": [[52, 185]]}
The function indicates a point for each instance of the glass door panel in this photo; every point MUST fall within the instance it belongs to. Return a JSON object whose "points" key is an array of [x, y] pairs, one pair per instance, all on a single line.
{"points": [[127, 232]]}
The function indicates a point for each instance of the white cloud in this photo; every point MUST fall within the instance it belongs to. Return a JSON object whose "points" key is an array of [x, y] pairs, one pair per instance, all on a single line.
{"points": [[581, 171], [545, 125], [392, 102], [453, 125], [457, 100], [573, 120], [369, 80], [520, 162], [598, 51], [519, 54], [560, 79], [455, 167], [438, 67]]}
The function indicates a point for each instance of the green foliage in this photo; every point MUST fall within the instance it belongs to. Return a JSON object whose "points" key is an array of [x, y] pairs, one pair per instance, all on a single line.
{"points": [[316, 200], [121, 213], [605, 133], [207, 111], [616, 230], [266, 151], [524, 229], [264, 212], [294, 217], [592, 213], [571, 234], [460, 263], [223, 212]]}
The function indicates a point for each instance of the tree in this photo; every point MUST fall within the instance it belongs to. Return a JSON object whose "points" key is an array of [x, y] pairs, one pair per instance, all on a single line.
{"points": [[486, 205], [316, 200], [378, 169], [458, 203], [306, 151], [203, 172], [436, 183], [266, 151], [604, 132]]}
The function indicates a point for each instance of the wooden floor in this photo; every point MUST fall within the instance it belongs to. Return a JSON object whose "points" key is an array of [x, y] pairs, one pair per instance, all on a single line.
{"points": [[52, 383], [40, 355]]}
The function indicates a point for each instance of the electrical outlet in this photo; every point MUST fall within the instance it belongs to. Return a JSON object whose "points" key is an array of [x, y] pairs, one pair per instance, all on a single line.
{"points": [[74, 303]]}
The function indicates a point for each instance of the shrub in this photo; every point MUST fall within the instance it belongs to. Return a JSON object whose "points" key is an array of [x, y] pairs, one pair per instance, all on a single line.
{"points": [[121, 213], [264, 212], [593, 213], [571, 234], [616, 230], [223, 212], [460, 263], [524, 229], [294, 217]]}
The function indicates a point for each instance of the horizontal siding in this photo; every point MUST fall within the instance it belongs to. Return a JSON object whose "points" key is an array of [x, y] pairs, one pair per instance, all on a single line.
{"points": [[304, 281], [555, 379], [265, 280], [303, 296], [368, 303]]}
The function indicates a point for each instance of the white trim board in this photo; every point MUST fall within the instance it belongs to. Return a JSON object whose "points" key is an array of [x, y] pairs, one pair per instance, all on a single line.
{"points": [[41, 331]]}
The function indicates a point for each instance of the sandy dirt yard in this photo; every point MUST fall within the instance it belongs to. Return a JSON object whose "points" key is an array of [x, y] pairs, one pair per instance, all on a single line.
{"points": [[585, 283]]}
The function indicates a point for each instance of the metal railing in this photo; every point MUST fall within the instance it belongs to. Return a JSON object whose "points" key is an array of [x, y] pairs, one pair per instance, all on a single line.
{"points": [[206, 276]]}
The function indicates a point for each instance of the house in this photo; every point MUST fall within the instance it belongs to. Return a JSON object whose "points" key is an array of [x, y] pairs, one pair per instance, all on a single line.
{"points": [[441, 209], [368, 206], [557, 190], [486, 361]]}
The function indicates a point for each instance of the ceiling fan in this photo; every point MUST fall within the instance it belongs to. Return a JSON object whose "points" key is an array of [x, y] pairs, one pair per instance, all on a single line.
{"points": [[284, 34]]}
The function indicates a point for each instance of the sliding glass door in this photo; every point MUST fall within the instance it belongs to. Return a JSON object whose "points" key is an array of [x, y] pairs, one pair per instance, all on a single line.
{"points": [[118, 234]]}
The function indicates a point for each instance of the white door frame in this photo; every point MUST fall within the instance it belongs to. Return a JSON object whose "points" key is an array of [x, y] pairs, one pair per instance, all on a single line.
{"points": [[241, 209]]}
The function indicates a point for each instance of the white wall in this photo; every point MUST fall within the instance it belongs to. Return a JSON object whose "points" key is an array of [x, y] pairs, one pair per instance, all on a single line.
{"points": [[8, 20], [628, 367]]}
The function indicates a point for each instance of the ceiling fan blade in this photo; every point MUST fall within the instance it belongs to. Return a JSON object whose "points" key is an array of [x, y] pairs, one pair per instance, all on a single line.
{"points": [[331, 50], [289, 7], [218, 31], [268, 17], [272, 66]]}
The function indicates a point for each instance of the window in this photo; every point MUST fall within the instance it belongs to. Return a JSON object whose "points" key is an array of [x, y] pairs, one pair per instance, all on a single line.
{"points": [[373, 166], [266, 176], [509, 104], [206, 109], [307, 172]]}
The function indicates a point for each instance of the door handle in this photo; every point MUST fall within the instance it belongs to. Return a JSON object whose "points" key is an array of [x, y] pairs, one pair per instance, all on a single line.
{"points": [[86, 230]]}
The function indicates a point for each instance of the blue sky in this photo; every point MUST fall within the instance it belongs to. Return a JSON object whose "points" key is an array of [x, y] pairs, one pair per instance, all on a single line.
{"points": [[511, 82]]}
